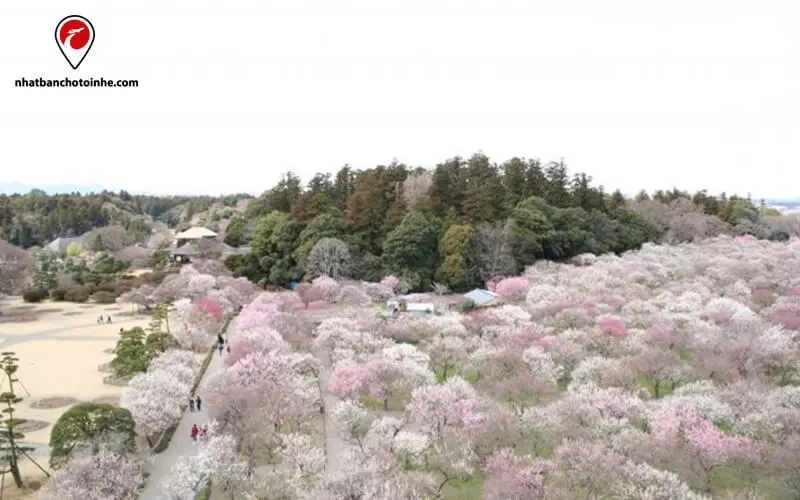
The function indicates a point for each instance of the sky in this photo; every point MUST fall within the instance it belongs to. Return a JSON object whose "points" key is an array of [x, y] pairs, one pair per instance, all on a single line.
{"points": [[697, 94]]}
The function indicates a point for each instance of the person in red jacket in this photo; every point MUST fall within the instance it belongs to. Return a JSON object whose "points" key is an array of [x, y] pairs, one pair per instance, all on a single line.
{"points": [[195, 431]]}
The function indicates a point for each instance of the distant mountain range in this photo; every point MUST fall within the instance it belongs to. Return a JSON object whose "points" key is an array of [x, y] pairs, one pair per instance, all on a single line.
{"points": [[19, 188], [789, 202]]}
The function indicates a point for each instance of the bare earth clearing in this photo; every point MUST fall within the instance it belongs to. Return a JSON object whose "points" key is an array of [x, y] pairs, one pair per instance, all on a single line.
{"points": [[59, 346]]}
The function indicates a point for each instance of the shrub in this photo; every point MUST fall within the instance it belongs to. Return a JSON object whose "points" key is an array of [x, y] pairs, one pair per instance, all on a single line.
{"points": [[34, 295], [77, 294], [154, 278], [58, 294], [105, 286], [104, 297]]}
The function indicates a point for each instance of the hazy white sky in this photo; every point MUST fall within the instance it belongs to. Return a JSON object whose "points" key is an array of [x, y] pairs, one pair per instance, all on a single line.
{"points": [[638, 94]]}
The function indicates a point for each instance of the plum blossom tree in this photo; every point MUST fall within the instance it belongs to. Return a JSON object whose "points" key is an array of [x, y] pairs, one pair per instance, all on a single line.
{"points": [[345, 338], [207, 306], [256, 314], [97, 476], [216, 461], [584, 469], [16, 266], [381, 377], [200, 284], [155, 400], [514, 478], [192, 326], [641, 481], [303, 456], [661, 370], [258, 396], [709, 447], [374, 291], [255, 340], [350, 381], [308, 293], [328, 288], [176, 362], [440, 407], [140, 296], [390, 377], [379, 478], [354, 296], [446, 354], [612, 325], [390, 283], [172, 288], [514, 288], [354, 422]]}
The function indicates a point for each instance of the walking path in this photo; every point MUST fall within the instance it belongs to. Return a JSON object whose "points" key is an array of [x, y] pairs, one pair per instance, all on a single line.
{"points": [[335, 446], [182, 444]]}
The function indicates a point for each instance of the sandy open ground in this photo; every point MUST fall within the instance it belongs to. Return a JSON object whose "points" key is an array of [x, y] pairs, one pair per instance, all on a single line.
{"points": [[59, 353]]}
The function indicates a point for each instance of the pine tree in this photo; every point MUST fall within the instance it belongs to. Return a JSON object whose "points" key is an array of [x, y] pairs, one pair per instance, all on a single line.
{"points": [[9, 436]]}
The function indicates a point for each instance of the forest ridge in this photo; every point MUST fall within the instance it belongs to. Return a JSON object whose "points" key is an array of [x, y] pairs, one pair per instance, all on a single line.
{"points": [[458, 223]]}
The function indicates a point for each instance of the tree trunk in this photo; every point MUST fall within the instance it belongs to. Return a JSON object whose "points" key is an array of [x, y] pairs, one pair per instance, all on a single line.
{"points": [[14, 467], [385, 404]]}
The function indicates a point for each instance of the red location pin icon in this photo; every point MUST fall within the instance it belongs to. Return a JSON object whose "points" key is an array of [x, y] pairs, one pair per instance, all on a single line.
{"points": [[75, 36]]}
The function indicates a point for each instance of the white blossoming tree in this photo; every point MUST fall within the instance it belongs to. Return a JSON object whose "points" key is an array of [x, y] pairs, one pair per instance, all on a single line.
{"points": [[101, 475], [155, 400]]}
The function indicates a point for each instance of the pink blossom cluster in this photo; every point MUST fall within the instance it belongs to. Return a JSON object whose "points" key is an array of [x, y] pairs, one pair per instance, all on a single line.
{"points": [[678, 425], [390, 282], [205, 305], [514, 288]]}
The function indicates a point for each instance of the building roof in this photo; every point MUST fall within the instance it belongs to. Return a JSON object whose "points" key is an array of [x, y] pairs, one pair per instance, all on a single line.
{"points": [[482, 297], [195, 233], [61, 244]]}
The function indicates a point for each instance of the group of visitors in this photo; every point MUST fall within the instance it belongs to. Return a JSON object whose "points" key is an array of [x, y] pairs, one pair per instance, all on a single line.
{"points": [[222, 344], [197, 431], [102, 320], [195, 402]]}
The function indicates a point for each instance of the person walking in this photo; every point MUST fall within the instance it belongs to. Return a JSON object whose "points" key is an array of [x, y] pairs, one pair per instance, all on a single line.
{"points": [[228, 347], [195, 430], [191, 404], [220, 340], [221, 346], [204, 432], [198, 402]]}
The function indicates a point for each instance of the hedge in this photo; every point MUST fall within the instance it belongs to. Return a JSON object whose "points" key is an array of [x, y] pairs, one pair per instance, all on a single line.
{"points": [[166, 437]]}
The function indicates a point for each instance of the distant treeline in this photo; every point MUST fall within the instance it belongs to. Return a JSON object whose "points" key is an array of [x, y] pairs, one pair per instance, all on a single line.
{"points": [[458, 224]]}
